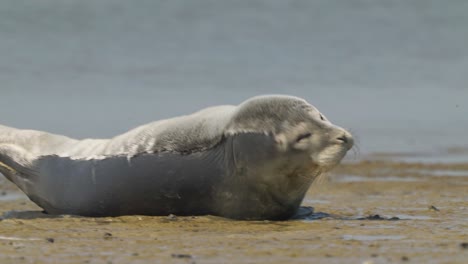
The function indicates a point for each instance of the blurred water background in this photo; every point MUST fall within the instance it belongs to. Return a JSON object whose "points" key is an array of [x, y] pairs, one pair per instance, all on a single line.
{"points": [[393, 72]]}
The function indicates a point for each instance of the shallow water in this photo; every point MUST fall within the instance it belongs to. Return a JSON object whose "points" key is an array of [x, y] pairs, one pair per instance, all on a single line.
{"points": [[394, 73], [372, 238], [355, 178], [418, 157], [413, 217], [12, 196]]}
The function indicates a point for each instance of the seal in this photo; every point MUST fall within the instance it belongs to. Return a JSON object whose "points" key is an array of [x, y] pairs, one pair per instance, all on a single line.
{"points": [[251, 161]]}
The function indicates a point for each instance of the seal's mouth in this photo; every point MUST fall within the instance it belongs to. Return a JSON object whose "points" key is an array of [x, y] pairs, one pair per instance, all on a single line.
{"points": [[330, 157], [346, 141], [332, 154]]}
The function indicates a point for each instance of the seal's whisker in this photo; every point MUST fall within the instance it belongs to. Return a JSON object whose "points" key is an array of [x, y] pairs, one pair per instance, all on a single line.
{"points": [[356, 146], [321, 179], [304, 177], [356, 151]]}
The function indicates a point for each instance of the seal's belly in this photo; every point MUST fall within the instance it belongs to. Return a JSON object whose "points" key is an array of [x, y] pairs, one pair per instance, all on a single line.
{"points": [[147, 184]]}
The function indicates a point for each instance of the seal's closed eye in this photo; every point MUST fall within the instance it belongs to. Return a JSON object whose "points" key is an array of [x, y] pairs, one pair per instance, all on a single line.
{"points": [[303, 136], [322, 117]]}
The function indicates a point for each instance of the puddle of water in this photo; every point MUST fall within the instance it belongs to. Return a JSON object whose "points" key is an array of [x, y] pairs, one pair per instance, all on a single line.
{"points": [[27, 215], [12, 196], [312, 201], [315, 216], [355, 178], [449, 173], [380, 227], [413, 217], [394, 217], [18, 238], [434, 157], [429, 173], [372, 238], [425, 208]]}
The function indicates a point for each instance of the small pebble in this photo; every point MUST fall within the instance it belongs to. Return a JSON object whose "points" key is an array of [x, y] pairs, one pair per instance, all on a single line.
{"points": [[187, 256], [50, 240], [404, 258], [378, 217], [107, 235], [433, 208], [374, 217], [464, 245], [171, 217]]}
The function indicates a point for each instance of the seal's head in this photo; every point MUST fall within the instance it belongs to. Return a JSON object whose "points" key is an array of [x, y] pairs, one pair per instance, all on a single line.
{"points": [[297, 127], [325, 143], [282, 144]]}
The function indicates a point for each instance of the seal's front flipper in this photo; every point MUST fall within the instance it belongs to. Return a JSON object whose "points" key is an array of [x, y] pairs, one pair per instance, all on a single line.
{"points": [[303, 212]]}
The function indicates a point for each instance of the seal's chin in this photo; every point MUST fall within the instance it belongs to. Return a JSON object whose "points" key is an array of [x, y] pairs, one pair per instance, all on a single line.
{"points": [[329, 157]]}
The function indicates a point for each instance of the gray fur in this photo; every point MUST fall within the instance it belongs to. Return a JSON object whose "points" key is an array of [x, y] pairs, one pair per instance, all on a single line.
{"points": [[246, 162]]}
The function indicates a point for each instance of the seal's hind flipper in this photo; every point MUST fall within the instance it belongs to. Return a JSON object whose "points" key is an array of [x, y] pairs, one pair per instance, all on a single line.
{"points": [[9, 166], [16, 163]]}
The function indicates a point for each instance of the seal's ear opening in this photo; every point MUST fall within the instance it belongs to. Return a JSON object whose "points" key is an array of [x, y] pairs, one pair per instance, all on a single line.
{"points": [[302, 141]]}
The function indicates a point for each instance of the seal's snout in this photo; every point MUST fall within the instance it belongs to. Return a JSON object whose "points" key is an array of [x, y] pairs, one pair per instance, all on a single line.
{"points": [[346, 139], [343, 138]]}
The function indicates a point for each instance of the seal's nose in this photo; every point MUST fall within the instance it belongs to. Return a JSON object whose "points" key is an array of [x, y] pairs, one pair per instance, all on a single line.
{"points": [[343, 138], [346, 139]]}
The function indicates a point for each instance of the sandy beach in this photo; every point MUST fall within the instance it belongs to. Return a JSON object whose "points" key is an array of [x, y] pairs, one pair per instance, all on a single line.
{"points": [[372, 211], [393, 73]]}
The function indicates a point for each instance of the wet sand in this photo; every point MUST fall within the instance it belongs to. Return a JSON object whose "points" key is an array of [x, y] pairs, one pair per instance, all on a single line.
{"points": [[366, 212]]}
